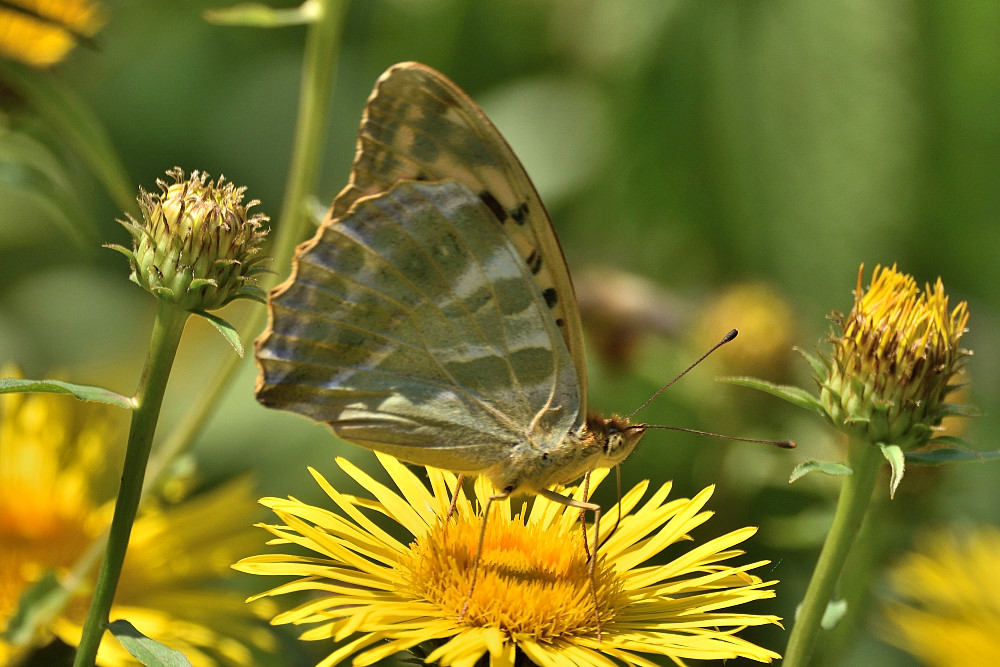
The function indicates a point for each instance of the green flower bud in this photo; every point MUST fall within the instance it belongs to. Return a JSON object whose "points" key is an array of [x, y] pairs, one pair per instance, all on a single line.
{"points": [[894, 362], [196, 246]]}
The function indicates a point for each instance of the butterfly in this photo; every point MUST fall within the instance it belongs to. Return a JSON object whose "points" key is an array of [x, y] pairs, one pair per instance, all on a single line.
{"points": [[432, 317]]}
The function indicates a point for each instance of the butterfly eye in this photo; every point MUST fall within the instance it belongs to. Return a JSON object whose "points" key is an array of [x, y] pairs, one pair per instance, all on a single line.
{"points": [[620, 439], [613, 442]]}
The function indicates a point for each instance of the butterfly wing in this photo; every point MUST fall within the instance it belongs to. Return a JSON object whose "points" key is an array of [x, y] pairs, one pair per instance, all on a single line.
{"points": [[418, 125], [411, 325]]}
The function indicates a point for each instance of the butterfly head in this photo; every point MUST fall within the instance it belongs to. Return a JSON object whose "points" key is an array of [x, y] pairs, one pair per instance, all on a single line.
{"points": [[617, 437]]}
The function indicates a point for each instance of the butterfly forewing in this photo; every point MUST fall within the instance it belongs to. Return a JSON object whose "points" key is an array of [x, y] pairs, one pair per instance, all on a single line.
{"points": [[407, 327], [418, 125]]}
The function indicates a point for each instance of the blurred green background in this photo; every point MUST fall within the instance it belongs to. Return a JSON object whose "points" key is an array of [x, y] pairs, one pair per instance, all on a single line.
{"points": [[743, 157]]}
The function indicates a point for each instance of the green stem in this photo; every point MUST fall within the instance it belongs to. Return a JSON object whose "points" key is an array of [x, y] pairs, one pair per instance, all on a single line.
{"points": [[318, 69], [866, 461], [319, 66], [167, 330], [78, 127]]}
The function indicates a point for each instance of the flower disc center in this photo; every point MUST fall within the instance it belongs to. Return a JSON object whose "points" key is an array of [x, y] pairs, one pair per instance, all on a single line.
{"points": [[530, 580]]}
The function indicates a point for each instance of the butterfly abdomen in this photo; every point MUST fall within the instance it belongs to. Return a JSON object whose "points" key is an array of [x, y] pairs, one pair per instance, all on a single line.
{"points": [[531, 467]]}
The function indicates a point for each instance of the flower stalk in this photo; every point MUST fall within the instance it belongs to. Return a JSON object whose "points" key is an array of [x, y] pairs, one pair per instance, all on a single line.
{"points": [[885, 386], [855, 497], [895, 359], [319, 68], [167, 329]]}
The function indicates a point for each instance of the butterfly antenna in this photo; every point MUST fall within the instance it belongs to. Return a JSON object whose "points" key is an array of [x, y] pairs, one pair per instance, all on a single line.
{"points": [[725, 339], [784, 444]]}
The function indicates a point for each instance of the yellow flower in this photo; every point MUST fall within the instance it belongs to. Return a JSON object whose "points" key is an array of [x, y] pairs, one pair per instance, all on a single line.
{"points": [[895, 362], [41, 32], [59, 467], [533, 592], [763, 316], [946, 611]]}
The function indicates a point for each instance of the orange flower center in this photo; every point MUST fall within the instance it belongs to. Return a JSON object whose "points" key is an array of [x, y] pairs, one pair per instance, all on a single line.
{"points": [[530, 580]]}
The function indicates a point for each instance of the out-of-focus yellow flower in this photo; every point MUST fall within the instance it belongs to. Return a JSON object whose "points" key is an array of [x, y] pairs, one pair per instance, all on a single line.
{"points": [[765, 322], [945, 609], [895, 361], [41, 32], [59, 465], [532, 597]]}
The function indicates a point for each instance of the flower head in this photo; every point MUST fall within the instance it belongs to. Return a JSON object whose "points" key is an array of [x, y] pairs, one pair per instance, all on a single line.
{"points": [[945, 609], [40, 34], [197, 246], [533, 593], [895, 361], [765, 317], [59, 468]]}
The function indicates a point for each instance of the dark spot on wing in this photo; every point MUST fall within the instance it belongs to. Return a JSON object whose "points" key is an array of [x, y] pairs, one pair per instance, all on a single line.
{"points": [[421, 176], [520, 213], [551, 297], [560, 322], [535, 261], [491, 203]]}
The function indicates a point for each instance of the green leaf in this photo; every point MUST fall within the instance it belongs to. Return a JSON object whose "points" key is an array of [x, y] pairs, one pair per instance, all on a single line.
{"points": [[949, 440], [261, 16], [897, 461], [825, 467], [35, 609], [226, 329], [82, 391], [147, 651], [76, 124], [961, 454], [198, 283], [129, 255], [253, 292], [834, 612], [960, 410], [794, 395], [34, 180], [817, 365]]}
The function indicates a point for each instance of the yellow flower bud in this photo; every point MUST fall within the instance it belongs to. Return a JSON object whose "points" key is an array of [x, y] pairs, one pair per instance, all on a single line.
{"points": [[894, 362], [196, 247]]}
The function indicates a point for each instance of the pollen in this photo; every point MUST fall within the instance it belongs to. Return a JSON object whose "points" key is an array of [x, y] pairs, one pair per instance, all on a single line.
{"points": [[531, 580]]}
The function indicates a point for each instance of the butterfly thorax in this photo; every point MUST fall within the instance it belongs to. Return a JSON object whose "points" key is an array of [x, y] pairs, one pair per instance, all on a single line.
{"points": [[602, 442]]}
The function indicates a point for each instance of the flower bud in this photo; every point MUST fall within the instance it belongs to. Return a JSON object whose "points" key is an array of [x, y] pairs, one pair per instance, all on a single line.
{"points": [[196, 246], [894, 362]]}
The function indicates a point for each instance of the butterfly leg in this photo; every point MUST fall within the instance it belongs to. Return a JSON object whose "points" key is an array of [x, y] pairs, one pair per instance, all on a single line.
{"points": [[584, 496], [479, 548], [454, 499], [583, 507]]}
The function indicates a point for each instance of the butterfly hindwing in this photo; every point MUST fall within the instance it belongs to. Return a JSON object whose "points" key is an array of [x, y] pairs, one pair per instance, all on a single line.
{"points": [[418, 125], [411, 325]]}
